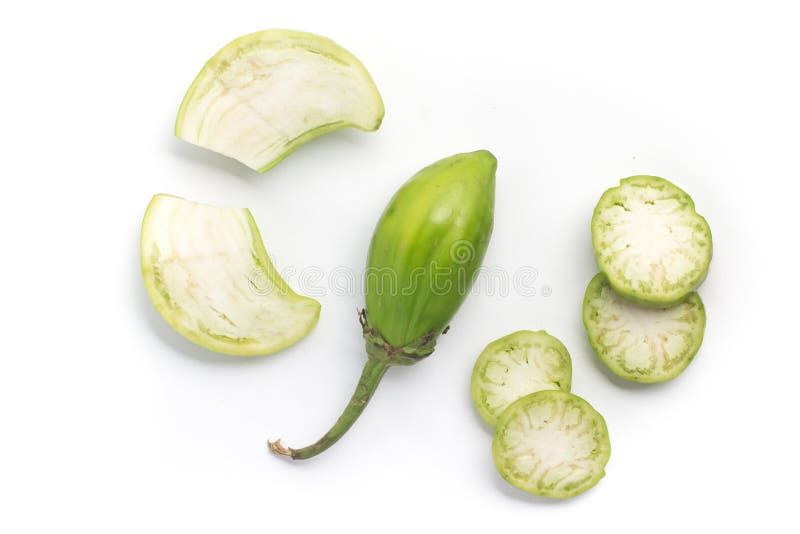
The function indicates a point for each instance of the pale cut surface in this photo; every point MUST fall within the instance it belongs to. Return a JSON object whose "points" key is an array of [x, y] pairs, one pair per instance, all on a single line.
{"points": [[209, 276], [514, 366], [650, 241], [551, 443], [266, 93], [640, 343]]}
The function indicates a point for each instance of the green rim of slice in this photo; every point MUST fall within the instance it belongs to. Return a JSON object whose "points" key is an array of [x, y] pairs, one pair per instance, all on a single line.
{"points": [[650, 241], [641, 343], [516, 365], [551, 443], [209, 276], [265, 94]]}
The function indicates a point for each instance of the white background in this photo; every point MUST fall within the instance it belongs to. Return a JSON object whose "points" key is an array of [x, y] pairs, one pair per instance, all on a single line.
{"points": [[112, 422]]}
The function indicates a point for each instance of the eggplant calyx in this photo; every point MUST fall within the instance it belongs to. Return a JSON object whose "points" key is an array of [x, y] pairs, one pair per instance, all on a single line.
{"points": [[381, 350]]}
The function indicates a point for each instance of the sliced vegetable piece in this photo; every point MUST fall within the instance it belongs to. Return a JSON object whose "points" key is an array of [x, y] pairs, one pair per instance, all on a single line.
{"points": [[551, 443], [267, 93], [650, 241], [640, 343], [516, 365], [210, 278]]}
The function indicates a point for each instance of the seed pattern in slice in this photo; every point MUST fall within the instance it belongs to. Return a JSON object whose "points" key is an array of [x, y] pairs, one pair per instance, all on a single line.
{"points": [[209, 276], [640, 343], [650, 241], [265, 94], [516, 365], [551, 443]]}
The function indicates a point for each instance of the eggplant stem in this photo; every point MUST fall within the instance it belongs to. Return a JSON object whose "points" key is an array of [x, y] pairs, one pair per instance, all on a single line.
{"points": [[278, 448], [371, 376]]}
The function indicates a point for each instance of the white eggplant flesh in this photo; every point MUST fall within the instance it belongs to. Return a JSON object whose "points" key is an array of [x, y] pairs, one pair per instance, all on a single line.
{"points": [[650, 242], [551, 443], [639, 343], [209, 276], [516, 365], [265, 94]]}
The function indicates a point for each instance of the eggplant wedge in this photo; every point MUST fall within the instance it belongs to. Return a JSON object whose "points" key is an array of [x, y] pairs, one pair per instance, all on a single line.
{"points": [[265, 94], [209, 276]]}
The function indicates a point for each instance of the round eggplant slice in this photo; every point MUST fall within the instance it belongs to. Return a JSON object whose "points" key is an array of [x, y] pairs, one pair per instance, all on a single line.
{"points": [[516, 365], [650, 241], [209, 276], [640, 343], [267, 93], [551, 443]]}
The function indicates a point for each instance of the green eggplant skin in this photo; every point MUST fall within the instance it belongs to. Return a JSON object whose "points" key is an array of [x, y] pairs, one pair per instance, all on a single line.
{"points": [[427, 246]]}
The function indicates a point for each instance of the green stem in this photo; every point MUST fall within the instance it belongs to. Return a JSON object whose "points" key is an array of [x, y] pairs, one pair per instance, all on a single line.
{"points": [[367, 384]]}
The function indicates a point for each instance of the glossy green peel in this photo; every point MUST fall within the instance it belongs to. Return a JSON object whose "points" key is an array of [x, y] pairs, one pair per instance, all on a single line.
{"points": [[517, 365], [650, 242], [265, 94], [640, 343], [429, 242], [209, 276], [551, 443], [424, 252]]}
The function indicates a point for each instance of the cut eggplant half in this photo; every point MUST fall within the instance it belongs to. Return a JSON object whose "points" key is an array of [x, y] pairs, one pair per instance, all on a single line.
{"points": [[514, 366], [209, 276], [640, 343], [650, 241], [267, 93], [551, 443]]}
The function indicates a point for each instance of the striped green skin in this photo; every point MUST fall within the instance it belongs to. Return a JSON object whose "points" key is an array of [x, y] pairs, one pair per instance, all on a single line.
{"points": [[427, 246]]}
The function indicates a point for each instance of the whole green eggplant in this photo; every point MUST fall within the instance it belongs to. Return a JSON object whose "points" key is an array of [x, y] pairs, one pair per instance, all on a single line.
{"points": [[426, 248]]}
